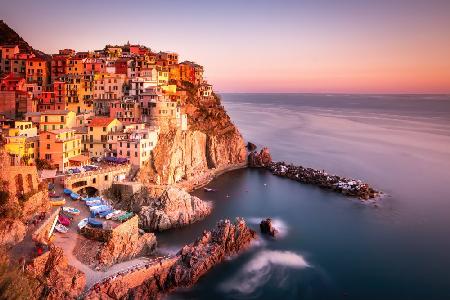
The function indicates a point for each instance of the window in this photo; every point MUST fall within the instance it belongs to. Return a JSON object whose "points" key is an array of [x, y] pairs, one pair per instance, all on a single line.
{"points": [[104, 129], [106, 177], [48, 156], [94, 180], [48, 136]]}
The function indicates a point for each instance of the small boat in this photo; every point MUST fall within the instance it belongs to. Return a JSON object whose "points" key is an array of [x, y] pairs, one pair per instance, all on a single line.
{"points": [[63, 220], [71, 210], [61, 228], [99, 208], [209, 190], [92, 198], [125, 217], [57, 201], [67, 191], [112, 214], [75, 196], [116, 217], [95, 223], [94, 203], [105, 213], [83, 223]]}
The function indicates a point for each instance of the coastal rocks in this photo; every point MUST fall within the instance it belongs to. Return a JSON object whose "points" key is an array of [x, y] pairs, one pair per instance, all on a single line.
{"points": [[126, 243], [175, 208], [259, 160], [211, 144], [195, 259], [11, 232], [114, 245], [266, 227], [251, 147], [57, 279], [158, 277], [348, 187]]}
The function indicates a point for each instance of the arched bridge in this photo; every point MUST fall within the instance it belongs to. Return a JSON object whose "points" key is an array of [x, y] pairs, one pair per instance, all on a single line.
{"points": [[100, 179]]}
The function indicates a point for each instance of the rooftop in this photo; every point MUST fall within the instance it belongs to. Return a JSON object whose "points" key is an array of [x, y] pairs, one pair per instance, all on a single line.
{"points": [[101, 121]]}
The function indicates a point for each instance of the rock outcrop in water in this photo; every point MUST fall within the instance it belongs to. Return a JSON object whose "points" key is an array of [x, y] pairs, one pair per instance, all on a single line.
{"points": [[259, 160], [175, 208], [348, 187], [183, 270], [266, 227], [57, 279]]}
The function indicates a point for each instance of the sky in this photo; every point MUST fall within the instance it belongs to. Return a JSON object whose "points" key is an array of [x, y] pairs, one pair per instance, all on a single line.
{"points": [[382, 46]]}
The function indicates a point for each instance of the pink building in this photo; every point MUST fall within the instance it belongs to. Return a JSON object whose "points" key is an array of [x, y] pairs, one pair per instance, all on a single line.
{"points": [[126, 111]]}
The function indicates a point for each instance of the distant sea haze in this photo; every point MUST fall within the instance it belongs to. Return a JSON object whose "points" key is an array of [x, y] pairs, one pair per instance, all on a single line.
{"points": [[333, 247]]}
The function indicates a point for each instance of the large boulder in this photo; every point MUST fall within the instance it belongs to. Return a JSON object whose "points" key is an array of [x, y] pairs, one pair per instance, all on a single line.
{"points": [[58, 279], [126, 243], [175, 208], [261, 159]]}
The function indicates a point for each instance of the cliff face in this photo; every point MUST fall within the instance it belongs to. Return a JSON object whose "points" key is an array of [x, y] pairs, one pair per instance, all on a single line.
{"points": [[126, 243], [212, 142], [57, 279], [21, 199], [10, 37], [182, 270], [175, 208]]}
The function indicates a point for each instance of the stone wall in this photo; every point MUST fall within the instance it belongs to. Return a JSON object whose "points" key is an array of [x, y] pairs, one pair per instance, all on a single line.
{"points": [[42, 234], [118, 285]]}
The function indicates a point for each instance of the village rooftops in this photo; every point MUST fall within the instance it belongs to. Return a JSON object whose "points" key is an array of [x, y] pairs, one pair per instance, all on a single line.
{"points": [[101, 121], [63, 130]]}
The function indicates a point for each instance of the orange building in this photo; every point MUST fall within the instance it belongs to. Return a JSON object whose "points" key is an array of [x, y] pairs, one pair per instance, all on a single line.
{"points": [[61, 147], [37, 71]]}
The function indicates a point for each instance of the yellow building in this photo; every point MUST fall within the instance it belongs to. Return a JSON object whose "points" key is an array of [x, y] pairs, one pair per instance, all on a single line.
{"points": [[163, 75], [53, 119], [170, 89], [78, 93], [98, 139], [62, 148], [22, 142]]}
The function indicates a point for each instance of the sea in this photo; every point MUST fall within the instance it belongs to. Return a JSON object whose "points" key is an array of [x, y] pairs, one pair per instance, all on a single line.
{"points": [[331, 246]]}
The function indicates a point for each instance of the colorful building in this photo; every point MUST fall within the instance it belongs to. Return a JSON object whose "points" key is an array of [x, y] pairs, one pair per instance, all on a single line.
{"points": [[61, 147], [37, 71], [22, 142], [138, 145], [109, 86], [96, 141], [53, 119]]}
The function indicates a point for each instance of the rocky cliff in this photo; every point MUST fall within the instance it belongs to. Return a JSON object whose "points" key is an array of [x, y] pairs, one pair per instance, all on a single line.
{"points": [[183, 270], [175, 208], [57, 279], [212, 142], [126, 243]]}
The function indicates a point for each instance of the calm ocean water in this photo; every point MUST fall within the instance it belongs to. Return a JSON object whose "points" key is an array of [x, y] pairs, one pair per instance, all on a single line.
{"points": [[332, 247]]}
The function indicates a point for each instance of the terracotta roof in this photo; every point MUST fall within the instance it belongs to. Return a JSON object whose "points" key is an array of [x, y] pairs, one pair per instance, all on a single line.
{"points": [[101, 121]]}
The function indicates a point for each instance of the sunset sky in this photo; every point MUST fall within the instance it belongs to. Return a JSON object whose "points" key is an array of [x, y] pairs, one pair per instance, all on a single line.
{"points": [[263, 46]]}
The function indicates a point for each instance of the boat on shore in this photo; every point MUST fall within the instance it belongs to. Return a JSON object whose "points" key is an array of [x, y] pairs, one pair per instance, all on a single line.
{"points": [[67, 191], [71, 210], [57, 201], [61, 228], [82, 223], [64, 220], [75, 196], [209, 189], [94, 223]]}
